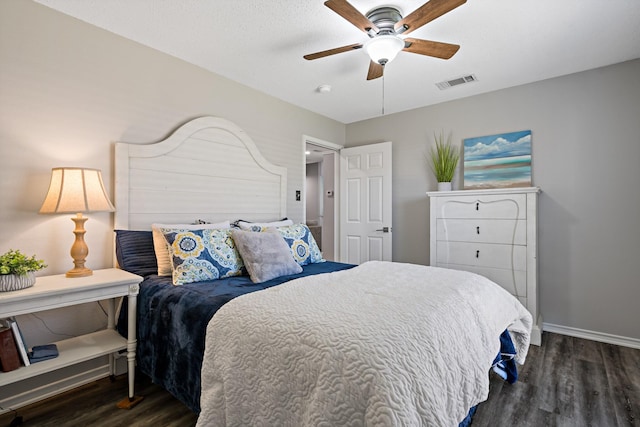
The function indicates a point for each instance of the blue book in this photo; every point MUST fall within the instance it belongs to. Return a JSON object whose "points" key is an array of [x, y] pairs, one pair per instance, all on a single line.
{"points": [[43, 352]]}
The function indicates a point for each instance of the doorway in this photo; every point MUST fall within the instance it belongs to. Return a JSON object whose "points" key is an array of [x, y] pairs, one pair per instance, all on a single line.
{"points": [[320, 195]]}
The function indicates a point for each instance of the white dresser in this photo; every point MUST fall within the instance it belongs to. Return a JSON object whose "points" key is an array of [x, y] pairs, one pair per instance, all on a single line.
{"points": [[492, 233]]}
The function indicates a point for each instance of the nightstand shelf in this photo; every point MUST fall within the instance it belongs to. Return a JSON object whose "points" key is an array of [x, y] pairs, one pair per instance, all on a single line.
{"points": [[71, 351], [51, 292]]}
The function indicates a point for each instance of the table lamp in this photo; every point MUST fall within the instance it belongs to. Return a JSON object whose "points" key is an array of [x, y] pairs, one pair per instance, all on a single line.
{"points": [[77, 190]]}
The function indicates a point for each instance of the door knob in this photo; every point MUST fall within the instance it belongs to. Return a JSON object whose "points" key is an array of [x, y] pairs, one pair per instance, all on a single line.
{"points": [[385, 229]]}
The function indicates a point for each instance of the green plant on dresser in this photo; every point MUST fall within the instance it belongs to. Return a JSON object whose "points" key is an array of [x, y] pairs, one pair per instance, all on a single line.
{"points": [[444, 158]]}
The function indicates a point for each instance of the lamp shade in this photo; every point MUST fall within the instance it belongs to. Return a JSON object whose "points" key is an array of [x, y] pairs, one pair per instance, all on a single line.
{"points": [[383, 49], [75, 190]]}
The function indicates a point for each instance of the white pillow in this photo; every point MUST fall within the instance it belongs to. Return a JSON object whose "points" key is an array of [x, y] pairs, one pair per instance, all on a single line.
{"points": [[161, 247], [258, 225]]}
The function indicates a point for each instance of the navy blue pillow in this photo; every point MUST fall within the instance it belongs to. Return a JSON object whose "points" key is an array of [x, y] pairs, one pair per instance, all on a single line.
{"points": [[135, 253]]}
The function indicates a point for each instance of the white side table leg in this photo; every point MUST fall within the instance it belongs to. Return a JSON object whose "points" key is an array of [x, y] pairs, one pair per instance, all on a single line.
{"points": [[132, 341]]}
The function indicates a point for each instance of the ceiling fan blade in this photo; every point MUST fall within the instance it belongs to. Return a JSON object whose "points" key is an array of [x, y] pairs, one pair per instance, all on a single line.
{"points": [[430, 48], [333, 51], [427, 13], [375, 70], [351, 14]]}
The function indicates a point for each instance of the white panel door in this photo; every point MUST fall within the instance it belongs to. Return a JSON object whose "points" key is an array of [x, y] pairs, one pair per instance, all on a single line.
{"points": [[365, 200]]}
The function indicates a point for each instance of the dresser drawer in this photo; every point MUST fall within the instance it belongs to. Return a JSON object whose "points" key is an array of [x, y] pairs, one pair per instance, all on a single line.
{"points": [[515, 282], [508, 231], [512, 206], [509, 257]]}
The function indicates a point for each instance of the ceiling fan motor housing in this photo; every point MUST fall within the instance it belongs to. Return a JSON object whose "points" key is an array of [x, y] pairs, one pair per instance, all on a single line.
{"points": [[385, 18]]}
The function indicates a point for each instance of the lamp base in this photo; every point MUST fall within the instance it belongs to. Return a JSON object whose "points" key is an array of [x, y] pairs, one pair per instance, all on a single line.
{"points": [[79, 272], [79, 250]]}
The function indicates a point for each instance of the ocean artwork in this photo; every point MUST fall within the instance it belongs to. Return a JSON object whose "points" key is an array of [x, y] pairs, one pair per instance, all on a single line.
{"points": [[498, 161]]}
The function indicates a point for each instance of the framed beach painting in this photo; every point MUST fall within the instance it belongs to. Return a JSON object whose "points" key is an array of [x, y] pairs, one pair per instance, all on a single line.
{"points": [[498, 161]]}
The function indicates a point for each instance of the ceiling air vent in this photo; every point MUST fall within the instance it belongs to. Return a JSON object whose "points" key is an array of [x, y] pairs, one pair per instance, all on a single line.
{"points": [[456, 82]]}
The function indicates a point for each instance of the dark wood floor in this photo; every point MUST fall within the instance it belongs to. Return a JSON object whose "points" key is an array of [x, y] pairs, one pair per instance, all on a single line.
{"points": [[565, 382], [94, 405], [568, 382]]}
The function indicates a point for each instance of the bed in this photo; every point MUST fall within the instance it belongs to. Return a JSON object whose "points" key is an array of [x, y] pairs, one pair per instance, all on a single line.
{"points": [[281, 351]]}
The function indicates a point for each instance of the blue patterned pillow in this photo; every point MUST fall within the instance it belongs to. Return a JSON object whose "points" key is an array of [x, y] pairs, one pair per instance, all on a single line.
{"points": [[303, 246], [199, 255]]}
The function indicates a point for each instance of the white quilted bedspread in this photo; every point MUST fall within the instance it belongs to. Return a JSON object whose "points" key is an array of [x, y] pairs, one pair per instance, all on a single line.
{"points": [[382, 344]]}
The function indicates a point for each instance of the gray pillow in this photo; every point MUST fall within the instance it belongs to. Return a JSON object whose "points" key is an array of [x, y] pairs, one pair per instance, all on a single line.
{"points": [[266, 255]]}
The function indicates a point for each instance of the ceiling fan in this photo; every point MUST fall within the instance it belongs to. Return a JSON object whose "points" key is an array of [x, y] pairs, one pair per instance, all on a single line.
{"points": [[386, 28]]}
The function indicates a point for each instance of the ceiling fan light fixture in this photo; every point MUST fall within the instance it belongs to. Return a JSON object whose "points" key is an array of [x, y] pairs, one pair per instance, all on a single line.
{"points": [[383, 49]]}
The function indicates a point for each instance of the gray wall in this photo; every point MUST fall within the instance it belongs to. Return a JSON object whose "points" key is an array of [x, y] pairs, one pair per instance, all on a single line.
{"points": [[586, 159]]}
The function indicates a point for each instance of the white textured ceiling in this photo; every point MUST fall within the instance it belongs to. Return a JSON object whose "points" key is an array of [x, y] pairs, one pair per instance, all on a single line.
{"points": [[260, 44]]}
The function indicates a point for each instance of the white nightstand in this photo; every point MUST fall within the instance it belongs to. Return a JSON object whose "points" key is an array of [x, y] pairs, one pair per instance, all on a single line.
{"points": [[59, 291]]}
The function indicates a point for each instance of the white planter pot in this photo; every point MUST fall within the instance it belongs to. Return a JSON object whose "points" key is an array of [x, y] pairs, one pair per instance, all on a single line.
{"points": [[13, 282], [444, 186]]}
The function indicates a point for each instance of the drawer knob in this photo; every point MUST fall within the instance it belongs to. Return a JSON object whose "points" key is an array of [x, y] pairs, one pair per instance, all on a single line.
{"points": [[477, 206], [478, 230], [477, 254]]}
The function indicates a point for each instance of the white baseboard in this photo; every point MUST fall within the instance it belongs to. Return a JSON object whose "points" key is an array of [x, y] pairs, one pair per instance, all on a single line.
{"points": [[50, 389], [592, 335]]}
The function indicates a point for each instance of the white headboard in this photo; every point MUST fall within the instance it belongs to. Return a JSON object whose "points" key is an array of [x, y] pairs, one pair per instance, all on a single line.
{"points": [[208, 169]]}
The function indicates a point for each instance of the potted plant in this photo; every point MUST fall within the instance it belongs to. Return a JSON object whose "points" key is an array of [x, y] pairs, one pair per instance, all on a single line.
{"points": [[444, 160], [17, 270]]}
